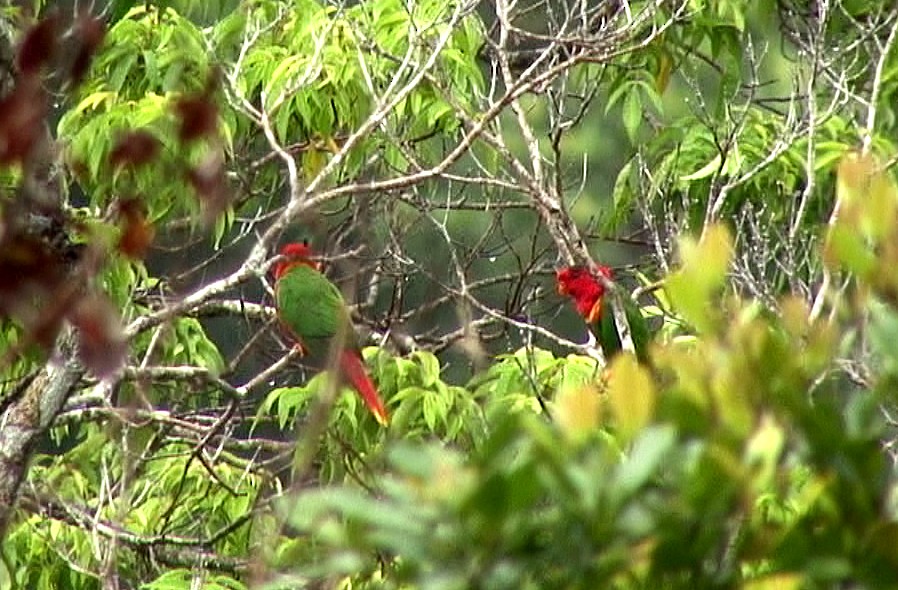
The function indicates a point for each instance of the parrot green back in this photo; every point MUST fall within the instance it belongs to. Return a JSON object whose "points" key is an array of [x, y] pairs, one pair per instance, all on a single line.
{"points": [[310, 305], [639, 331]]}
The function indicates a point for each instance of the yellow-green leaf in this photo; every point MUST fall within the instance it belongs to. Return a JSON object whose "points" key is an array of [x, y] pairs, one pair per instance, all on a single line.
{"points": [[705, 171], [631, 395], [866, 194], [578, 411], [780, 581], [704, 270], [845, 247]]}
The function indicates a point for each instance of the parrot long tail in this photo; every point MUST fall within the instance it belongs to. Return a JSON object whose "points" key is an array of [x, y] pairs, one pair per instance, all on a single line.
{"points": [[354, 371]]}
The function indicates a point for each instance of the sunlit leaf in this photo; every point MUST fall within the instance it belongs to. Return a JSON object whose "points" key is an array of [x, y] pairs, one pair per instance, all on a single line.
{"points": [[631, 395], [705, 171], [704, 269], [578, 411]]}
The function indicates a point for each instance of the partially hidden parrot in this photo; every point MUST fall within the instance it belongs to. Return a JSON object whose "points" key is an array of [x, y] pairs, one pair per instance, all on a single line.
{"points": [[313, 311], [587, 290]]}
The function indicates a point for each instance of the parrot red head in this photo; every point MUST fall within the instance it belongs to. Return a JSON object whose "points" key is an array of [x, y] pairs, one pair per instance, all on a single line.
{"points": [[585, 287], [294, 254]]}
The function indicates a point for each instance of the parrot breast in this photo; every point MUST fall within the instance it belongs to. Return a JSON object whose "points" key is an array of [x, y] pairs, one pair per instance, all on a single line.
{"points": [[309, 305]]}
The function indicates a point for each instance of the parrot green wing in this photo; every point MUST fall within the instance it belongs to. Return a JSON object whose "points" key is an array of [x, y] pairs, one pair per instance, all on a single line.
{"points": [[310, 305], [609, 338], [639, 330], [607, 335]]}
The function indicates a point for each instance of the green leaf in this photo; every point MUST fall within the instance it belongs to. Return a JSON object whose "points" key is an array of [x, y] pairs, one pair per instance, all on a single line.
{"points": [[283, 74], [705, 171], [631, 395], [288, 401], [642, 462], [150, 67], [704, 270], [623, 196], [828, 153], [433, 408], [577, 410], [429, 365], [846, 247], [93, 101], [632, 113], [883, 333], [116, 79]]}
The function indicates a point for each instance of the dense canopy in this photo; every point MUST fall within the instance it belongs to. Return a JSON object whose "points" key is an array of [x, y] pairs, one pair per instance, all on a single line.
{"points": [[622, 273]]}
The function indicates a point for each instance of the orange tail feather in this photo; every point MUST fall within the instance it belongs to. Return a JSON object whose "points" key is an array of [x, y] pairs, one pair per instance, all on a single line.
{"points": [[354, 370]]}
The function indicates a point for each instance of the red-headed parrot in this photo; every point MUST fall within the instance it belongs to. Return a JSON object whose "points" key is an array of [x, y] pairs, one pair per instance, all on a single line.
{"points": [[312, 309], [586, 289]]}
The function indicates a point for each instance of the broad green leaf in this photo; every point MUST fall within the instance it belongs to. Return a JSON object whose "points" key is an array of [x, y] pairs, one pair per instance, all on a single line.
{"points": [[116, 80], [632, 113], [433, 408], [828, 152], [643, 460], [846, 247], [429, 365], [703, 272]]}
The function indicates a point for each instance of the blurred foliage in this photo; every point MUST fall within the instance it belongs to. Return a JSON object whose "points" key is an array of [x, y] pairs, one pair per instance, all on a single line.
{"points": [[742, 441], [544, 473]]}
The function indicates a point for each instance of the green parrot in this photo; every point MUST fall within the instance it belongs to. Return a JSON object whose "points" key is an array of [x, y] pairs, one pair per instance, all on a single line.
{"points": [[312, 310], [587, 291]]}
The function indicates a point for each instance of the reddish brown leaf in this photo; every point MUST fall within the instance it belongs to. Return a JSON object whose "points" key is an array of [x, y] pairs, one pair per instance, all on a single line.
{"points": [[198, 115], [137, 231], [79, 169], [39, 45], [101, 343], [89, 34], [135, 148], [45, 326], [26, 260], [21, 114], [33, 291], [50, 306]]}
